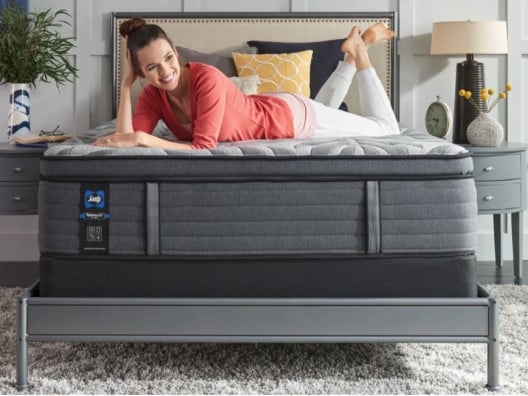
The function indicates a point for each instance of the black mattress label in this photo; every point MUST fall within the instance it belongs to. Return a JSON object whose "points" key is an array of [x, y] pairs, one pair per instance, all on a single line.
{"points": [[93, 218]]}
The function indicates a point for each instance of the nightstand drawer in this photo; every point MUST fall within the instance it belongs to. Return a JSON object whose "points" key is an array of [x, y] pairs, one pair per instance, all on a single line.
{"points": [[20, 169], [498, 196], [20, 197], [499, 167]]}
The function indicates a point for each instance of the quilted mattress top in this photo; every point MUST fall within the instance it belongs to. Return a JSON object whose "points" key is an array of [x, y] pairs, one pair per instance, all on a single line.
{"points": [[410, 142], [402, 154]]}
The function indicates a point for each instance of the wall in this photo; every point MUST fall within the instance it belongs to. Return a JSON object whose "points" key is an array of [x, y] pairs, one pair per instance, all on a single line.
{"points": [[87, 103]]}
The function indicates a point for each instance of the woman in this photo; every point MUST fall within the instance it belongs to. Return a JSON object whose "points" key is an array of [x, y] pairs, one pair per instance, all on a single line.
{"points": [[202, 107]]}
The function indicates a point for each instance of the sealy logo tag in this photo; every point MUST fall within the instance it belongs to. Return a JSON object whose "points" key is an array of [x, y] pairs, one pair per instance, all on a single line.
{"points": [[94, 199], [94, 218]]}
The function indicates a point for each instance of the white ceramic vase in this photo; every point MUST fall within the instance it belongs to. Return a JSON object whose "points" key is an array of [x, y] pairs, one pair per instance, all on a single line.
{"points": [[18, 120], [485, 131]]}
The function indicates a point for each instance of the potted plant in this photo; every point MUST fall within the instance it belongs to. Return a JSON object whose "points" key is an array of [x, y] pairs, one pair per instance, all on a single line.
{"points": [[31, 51]]}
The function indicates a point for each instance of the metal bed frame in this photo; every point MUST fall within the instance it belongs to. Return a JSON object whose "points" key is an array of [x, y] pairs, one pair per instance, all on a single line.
{"points": [[261, 320]]}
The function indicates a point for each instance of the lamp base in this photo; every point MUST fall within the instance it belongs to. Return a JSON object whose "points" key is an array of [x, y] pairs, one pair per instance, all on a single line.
{"points": [[469, 76]]}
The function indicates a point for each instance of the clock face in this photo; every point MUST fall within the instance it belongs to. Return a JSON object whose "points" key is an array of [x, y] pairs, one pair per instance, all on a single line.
{"points": [[437, 120]]}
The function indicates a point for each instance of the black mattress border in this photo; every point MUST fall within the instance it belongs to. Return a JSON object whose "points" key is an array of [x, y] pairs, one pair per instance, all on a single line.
{"points": [[270, 276]]}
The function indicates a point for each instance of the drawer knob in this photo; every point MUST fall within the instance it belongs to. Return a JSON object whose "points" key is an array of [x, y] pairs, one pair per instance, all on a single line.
{"points": [[17, 199], [488, 168], [18, 169], [488, 198]]}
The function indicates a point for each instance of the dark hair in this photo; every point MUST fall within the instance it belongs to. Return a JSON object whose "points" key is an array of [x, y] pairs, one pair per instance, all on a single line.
{"points": [[140, 34]]}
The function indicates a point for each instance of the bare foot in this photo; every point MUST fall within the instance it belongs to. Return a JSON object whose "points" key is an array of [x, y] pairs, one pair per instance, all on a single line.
{"points": [[377, 32], [353, 43], [356, 50]]}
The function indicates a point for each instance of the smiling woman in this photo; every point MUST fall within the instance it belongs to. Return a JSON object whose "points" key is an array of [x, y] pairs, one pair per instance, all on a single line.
{"points": [[200, 105]]}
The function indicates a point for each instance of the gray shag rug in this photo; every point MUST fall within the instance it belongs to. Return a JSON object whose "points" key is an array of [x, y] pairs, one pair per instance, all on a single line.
{"points": [[106, 368]]}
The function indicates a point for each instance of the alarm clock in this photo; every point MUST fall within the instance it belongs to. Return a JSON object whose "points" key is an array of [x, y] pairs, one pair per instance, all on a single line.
{"points": [[438, 118]]}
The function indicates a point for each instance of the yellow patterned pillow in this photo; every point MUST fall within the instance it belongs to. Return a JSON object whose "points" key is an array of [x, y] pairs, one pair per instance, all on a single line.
{"points": [[278, 72]]}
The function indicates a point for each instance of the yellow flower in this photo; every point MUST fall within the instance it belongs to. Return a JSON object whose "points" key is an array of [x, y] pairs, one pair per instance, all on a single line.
{"points": [[485, 97]]}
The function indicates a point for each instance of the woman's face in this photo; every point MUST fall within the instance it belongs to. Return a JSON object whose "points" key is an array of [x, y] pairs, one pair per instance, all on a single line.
{"points": [[159, 64]]}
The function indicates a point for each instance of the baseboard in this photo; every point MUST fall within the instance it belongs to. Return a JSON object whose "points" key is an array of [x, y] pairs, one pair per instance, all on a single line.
{"points": [[19, 246], [18, 273], [486, 246], [19, 238]]}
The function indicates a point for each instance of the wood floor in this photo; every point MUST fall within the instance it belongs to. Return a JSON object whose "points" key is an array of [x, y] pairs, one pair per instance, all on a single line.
{"points": [[26, 273], [488, 273]]}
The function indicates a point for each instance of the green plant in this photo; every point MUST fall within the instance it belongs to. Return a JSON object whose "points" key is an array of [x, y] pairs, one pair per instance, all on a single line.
{"points": [[32, 50]]}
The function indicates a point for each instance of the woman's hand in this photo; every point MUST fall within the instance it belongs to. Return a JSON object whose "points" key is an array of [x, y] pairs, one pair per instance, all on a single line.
{"points": [[136, 139], [129, 74]]}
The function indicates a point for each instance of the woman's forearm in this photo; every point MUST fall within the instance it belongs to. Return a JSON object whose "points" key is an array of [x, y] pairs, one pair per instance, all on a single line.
{"points": [[124, 112], [148, 140], [139, 139]]}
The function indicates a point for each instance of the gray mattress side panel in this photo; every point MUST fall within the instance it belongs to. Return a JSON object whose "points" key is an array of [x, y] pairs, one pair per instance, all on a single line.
{"points": [[58, 208], [127, 218], [278, 217], [428, 216], [59, 211], [271, 217]]}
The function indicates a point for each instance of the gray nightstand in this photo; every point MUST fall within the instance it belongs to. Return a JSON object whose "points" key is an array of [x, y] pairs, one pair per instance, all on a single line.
{"points": [[19, 179], [500, 176]]}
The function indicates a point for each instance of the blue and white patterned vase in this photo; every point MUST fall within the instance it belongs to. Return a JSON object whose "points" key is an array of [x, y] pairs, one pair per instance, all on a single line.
{"points": [[18, 121]]}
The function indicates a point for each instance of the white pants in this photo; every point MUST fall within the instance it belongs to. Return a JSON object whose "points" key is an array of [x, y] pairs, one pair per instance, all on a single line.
{"points": [[377, 117]]}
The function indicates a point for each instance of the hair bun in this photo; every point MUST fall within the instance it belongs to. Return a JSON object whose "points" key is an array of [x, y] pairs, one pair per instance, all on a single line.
{"points": [[130, 26]]}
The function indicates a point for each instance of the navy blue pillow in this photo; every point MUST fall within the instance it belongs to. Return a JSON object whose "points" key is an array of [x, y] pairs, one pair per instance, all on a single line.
{"points": [[326, 55]]}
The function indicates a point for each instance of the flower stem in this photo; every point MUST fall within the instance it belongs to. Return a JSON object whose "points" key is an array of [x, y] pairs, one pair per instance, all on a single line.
{"points": [[472, 101], [497, 99]]}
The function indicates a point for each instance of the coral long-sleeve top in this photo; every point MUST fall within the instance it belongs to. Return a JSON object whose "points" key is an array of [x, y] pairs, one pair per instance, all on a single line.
{"points": [[219, 111]]}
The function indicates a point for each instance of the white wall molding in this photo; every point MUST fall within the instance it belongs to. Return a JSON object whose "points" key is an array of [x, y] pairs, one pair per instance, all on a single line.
{"points": [[407, 64], [514, 73], [83, 31], [298, 5], [100, 47], [191, 5], [19, 238]]}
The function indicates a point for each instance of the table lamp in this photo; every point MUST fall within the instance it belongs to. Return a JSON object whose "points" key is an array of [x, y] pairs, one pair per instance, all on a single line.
{"points": [[469, 38]]}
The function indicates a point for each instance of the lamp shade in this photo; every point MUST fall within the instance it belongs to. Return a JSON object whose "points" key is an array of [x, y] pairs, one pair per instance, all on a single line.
{"points": [[469, 37]]}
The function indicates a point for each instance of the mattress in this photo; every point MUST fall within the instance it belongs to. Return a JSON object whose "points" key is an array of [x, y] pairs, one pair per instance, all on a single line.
{"points": [[314, 213]]}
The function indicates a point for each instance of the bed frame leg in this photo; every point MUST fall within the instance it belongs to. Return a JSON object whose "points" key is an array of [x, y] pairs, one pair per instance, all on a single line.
{"points": [[22, 346], [493, 346]]}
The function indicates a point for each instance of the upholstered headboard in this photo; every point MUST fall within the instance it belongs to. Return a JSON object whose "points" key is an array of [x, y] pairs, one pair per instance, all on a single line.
{"points": [[212, 32]]}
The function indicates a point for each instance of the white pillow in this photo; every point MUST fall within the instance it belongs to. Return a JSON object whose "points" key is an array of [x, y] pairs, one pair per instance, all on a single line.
{"points": [[247, 85]]}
